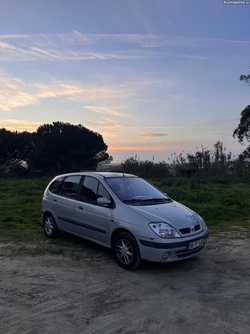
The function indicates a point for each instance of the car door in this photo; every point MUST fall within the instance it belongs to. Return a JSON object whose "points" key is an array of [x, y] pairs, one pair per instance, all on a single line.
{"points": [[65, 203], [94, 220]]}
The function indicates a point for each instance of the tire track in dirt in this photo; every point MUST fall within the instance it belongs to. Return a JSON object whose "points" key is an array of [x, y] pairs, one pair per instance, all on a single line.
{"points": [[51, 305]]}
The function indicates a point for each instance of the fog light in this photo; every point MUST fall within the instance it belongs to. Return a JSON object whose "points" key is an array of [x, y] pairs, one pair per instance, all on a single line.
{"points": [[165, 256]]}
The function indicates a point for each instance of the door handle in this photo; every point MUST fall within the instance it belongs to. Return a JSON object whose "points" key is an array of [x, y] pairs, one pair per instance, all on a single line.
{"points": [[55, 200], [80, 207]]}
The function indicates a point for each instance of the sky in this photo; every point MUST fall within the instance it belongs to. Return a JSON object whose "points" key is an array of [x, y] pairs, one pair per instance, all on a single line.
{"points": [[153, 77]]}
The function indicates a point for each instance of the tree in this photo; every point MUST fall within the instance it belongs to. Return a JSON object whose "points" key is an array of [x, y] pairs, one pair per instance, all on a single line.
{"points": [[14, 148], [63, 147], [9, 149], [242, 132], [245, 78]]}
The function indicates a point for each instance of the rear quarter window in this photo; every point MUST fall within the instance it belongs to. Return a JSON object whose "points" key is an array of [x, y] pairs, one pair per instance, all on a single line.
{"points": [[53, 188]]}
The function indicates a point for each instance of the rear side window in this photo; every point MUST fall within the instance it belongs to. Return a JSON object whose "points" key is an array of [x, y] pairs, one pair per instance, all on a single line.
{"points": [[69, 186], [55, 185]]}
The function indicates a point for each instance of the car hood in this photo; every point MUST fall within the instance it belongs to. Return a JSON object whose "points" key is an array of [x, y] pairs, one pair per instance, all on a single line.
{"points": [[174, 213]]}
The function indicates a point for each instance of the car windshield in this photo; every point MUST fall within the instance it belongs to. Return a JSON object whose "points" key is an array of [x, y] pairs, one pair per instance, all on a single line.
{"points": [[136, 191]]}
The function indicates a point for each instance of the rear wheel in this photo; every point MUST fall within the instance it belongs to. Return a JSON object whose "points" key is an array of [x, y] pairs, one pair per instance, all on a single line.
{"points": [[49, 226], [126, 251]]}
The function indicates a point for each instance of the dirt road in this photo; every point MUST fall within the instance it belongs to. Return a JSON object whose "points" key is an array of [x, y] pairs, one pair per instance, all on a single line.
{"points": [[84, 291]]}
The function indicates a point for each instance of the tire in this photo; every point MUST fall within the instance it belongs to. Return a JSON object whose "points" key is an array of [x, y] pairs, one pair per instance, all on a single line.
{"points": [[49, 226], [126, 251]]}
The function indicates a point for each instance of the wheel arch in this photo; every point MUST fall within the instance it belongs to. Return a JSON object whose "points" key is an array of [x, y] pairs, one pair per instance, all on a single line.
{"points": [[46, 213], [116, 232]]}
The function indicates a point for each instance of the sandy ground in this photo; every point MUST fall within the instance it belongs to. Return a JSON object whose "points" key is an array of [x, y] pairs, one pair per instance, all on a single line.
{"points": [[84, 290]]}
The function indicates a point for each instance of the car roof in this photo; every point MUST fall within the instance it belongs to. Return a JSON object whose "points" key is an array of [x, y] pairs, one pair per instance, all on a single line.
{"points": [[103, 174], [115, 174]]}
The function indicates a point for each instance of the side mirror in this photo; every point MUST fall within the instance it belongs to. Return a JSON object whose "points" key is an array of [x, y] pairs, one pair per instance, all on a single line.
{"points": [[103, 201]]}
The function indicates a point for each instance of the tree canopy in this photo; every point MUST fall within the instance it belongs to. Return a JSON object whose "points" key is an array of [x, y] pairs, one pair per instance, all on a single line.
{"points": [[242, 132], [245, 78], [54, 148]]}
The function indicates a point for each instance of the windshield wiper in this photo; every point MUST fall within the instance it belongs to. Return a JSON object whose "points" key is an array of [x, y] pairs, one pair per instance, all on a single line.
{"points": [[153, 199], [134, 200], [159, 199]]}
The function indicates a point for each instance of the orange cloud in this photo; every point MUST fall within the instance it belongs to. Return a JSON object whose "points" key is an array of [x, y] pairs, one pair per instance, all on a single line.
{"points": [[17, 93], [132, 148], [106, 122], [19, 125], [105, 110]]}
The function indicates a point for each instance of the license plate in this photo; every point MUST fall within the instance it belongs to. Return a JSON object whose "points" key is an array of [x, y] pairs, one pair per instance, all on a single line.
{"points": [[195, 244]]}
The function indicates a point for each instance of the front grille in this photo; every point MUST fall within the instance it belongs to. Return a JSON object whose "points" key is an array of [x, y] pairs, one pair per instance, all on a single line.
{"points": [[185, 253], [187, 230]]}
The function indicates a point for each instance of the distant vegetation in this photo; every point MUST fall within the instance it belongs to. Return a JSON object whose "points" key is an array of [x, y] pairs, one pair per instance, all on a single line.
{"points": [[203, 164]]}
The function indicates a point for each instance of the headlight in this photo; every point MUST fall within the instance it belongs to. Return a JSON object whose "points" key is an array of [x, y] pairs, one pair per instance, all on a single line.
{"points": [[203, 224], [164, 230]]}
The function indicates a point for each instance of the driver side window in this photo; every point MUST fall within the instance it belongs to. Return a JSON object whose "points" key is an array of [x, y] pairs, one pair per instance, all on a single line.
{"points": [[92, 189], [102, 192]]}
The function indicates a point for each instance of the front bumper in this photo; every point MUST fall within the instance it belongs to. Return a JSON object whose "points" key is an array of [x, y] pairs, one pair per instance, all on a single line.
{"points": [[162, 251]]}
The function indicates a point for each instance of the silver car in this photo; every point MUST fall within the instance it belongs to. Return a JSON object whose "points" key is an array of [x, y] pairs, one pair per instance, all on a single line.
{"points": [[125, 213]]}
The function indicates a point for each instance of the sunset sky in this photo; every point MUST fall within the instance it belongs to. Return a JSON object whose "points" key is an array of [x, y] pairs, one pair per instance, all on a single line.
{"points": [[152, 76]]}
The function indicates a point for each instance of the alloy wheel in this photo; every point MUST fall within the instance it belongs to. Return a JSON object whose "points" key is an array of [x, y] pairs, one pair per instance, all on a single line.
{"points": [[124, 251], [49, 225]]}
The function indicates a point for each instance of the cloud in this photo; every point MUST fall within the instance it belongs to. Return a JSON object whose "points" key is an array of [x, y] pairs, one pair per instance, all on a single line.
{"points": [[105, 110], [14, 93], [22, 125], [153, 135], [77, 38], [105, 122], [79, 46], [109, 134], [19, 125], [145, 147], [195, 57], [17, 93], [13, 53]]}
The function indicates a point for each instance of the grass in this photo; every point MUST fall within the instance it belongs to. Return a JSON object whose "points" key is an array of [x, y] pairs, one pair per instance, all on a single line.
{"points": [[222, 204], [20, 205]]}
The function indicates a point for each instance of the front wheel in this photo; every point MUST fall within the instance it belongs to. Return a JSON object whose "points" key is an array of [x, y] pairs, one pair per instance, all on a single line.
{"points": [[49, 226], [126, 251]]}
